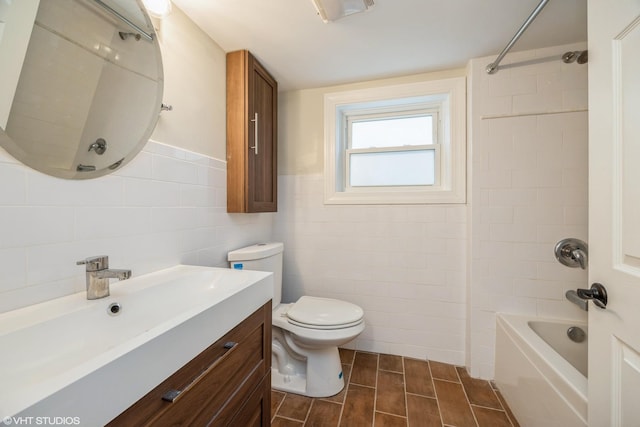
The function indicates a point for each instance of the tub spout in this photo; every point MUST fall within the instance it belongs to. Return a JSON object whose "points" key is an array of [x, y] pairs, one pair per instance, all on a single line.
{"points": [[573, 296]]}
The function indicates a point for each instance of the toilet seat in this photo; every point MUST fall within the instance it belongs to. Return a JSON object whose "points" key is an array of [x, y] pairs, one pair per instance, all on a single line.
{"points": [[324, 313], [314, 336]]}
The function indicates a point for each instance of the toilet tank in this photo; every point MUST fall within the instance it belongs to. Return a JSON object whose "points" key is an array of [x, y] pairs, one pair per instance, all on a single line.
{"points": [[261, 257]]}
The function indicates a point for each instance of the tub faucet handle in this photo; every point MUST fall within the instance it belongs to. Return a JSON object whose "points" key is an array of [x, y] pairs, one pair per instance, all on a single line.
{"points": [[580, 257], [572, 253], [597, 293]]}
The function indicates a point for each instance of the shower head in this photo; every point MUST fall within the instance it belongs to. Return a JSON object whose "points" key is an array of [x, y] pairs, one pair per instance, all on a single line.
{"points": [[580, 56]]}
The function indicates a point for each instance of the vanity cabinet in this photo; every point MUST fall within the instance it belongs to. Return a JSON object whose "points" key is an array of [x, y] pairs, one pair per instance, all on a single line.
{"points": [[228, 384], [252, 103]]}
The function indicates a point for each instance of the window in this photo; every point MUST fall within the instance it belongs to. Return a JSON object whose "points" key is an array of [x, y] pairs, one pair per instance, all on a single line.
{"points": [[396, 144], [391, 148]]}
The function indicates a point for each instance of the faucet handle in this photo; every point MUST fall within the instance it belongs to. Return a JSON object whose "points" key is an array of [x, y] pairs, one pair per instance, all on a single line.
{"points": [[572, 253], [95, 263]]}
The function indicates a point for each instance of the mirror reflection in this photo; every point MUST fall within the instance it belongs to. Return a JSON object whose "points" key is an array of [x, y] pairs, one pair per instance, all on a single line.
{"points": [[90, 89]]}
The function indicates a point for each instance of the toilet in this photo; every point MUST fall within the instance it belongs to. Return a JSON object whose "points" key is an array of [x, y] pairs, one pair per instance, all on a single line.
{"points": [[306, 334]]}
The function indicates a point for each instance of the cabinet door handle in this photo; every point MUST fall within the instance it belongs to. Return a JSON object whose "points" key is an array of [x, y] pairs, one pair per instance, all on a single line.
{"points": [[255, 133], [172, 395]]}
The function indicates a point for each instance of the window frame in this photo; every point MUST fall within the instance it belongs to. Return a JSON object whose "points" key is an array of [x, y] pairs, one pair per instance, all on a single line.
{"points": [[446, 97]]}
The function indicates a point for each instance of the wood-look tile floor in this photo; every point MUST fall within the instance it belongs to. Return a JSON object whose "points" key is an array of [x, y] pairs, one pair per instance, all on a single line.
{"points": [[390, 391]]}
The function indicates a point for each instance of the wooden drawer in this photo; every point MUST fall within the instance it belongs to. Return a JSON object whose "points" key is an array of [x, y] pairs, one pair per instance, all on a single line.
{"points": [[256, 411], [213, 386]]}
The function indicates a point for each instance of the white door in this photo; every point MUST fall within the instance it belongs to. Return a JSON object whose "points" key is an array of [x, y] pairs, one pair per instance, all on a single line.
{"points": [[614, 211]]}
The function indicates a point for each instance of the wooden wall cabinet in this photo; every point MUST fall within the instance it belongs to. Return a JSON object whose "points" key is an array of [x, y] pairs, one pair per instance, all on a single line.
{"points": [[228, 384], [252, 104]]}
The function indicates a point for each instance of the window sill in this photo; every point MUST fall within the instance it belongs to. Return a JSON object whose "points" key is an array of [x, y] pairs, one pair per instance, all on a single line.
{"points": [[377, 197]]}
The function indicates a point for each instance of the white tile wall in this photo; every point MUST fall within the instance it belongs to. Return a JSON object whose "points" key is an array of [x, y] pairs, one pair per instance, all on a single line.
{"points": [[404, 265], [168, 206], [528, 190], [409, 266]]}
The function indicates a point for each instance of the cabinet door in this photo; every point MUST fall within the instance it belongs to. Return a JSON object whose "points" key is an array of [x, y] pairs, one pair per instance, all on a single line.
{"points": [[215, 385], [256, 411], [262, 156]]}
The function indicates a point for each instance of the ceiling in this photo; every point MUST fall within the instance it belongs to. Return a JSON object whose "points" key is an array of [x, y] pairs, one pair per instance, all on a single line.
{"points": [[394, 38]]}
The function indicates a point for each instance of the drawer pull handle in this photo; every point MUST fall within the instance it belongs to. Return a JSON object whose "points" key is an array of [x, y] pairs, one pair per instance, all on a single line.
{"points": [[173, 394]]}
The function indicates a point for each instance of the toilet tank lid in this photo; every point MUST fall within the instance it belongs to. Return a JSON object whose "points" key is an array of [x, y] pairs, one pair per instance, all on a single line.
{"points": [[258, 251]]}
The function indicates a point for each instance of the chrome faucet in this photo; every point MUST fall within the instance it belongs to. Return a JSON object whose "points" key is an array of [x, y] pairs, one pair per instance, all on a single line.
{"points": [[98, 275]]}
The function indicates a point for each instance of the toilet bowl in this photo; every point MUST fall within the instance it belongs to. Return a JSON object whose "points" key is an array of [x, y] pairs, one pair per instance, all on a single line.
{"points": [[309, 363], [305, 334]]}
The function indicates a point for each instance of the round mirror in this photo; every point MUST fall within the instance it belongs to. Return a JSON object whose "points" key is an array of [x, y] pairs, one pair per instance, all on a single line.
{"points": [[90, 89]]}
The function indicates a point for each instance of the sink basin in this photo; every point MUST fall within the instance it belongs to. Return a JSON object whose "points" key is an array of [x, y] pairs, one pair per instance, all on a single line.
{"points": [[64, 356]]}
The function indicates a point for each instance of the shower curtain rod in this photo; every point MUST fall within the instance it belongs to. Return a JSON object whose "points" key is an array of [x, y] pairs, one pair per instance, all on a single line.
{"points": [[493, 67], [124, 19]]}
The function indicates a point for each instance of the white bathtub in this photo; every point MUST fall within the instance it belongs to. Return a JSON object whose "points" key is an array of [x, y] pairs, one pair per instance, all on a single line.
{"points": [[536, 374]]}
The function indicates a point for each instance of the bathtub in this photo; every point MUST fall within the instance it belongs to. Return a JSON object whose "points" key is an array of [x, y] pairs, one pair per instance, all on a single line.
{"points": [[538, 371]]}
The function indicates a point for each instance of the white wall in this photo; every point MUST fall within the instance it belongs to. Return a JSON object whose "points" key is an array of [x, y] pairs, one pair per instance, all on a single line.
{"points": [[405, 265], [195, 85], [431, 278], [167, 206], [301, 121], [528, 190]]}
